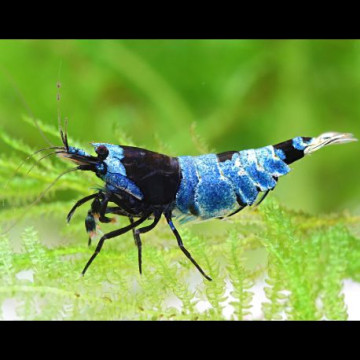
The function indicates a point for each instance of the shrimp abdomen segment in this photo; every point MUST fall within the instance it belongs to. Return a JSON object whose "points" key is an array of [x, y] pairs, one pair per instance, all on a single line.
{"points": [[216, 185]]}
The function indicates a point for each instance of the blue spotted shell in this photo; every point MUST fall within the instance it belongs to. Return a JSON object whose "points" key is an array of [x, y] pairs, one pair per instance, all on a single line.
{"points": [[212, 188]]}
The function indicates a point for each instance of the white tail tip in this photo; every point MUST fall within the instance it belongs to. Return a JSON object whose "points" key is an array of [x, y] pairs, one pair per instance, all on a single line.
{"points": [[329, 138]]}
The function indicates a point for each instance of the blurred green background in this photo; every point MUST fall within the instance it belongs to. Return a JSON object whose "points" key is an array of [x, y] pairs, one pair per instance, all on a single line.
{"points": [[241, 94]]}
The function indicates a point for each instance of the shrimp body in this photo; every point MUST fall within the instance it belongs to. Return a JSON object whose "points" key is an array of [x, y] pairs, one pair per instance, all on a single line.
{"points": [[143, 184]]}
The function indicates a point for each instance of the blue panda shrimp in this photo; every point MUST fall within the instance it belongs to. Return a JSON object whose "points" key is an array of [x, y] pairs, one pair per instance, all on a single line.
{"points": [[141, 184]]}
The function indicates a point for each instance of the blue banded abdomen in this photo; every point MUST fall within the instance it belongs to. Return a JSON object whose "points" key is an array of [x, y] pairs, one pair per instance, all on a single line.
{"points": [[214, 193], [214, 186], [185, 197]]}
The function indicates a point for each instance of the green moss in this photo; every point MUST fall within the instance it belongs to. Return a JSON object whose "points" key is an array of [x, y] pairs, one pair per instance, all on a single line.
{"points": [[308, 257]]}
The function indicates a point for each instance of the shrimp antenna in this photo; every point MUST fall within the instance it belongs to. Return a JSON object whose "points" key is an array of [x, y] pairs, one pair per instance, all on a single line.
{"points": [[27, 107], [63, 132], [27, 208], [44, 157], [28, 158], [24, 102]]}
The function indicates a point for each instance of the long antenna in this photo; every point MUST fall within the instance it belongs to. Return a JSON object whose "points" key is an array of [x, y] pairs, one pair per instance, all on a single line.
{"points": [[28, 158], [58, 85], [28, 207], [63, 131], [52, 147], [24, 102]]}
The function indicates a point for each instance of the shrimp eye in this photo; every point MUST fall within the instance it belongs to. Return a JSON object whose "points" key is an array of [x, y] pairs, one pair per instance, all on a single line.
{"points": [[102, 152]]}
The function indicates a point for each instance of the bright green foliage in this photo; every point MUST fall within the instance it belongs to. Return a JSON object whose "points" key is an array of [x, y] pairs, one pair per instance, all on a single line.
{"points": [[307, 258], [242, 94], [239, 275], [304, 275], [305, 267]]}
